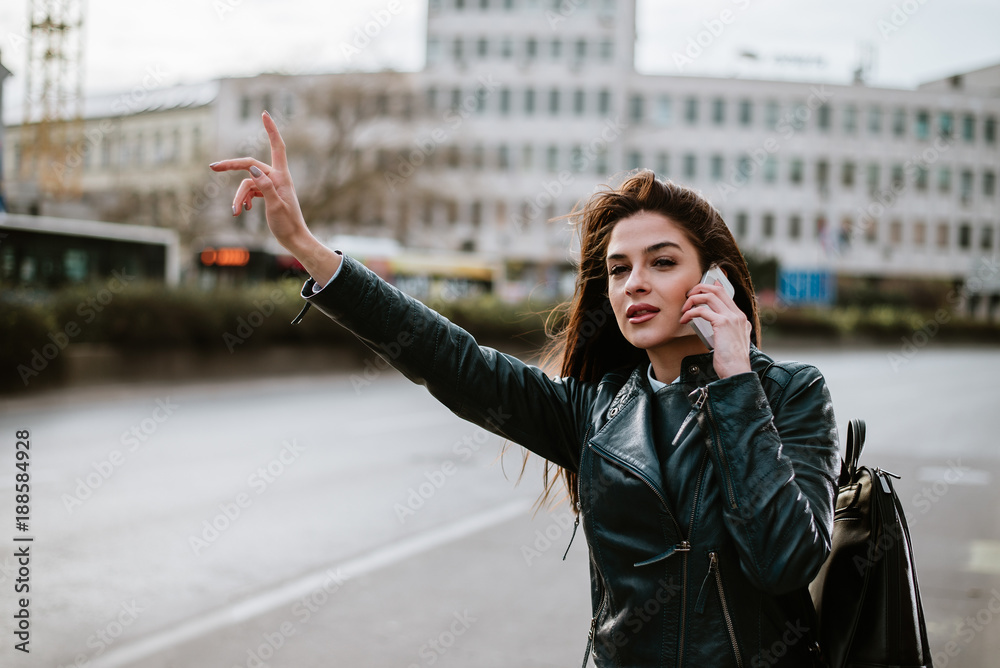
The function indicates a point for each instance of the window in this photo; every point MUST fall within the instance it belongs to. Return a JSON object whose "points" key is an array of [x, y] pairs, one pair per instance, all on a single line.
{"points": [[922, 178], [554, 101], [552, 159], [989, 183], [875, 120], [944, 179], [456, 49], [823, 117], [662, 164], [942, 235], [691, 110], [847, 174], [503, 157], [746, 112], [577, 161], [604, 102], [579, 102], [456, 98], [767, 225], [431, 99], [770, 169], [607, 50], [601, 163], [946, 124], [744, 167], [245, 107], [874, 177], [581, 49], [965, 181], [772, 114], [897, 179], [556, 49], [504, 101], [795, 227], [690, 166], [718, 111], [986, 238], [899, 123], [923, 127], [529, 101], [823, 174], [634, 159], [531, 48], [636, 104], [482, 47], [965, 236], [476, 213], [850, 119], [478, 159], [506, 48], [528, 157], [920, 233], [433, 50], [969, 128], [896, 233], [741, 225], [795, 171], [990, 130], [454, 158], [663, 110], [717, 167]]}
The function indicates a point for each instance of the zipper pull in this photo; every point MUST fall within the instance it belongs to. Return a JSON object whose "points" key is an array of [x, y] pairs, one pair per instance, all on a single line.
{"points": [[576, 523], [713, 561], [699, 402]]}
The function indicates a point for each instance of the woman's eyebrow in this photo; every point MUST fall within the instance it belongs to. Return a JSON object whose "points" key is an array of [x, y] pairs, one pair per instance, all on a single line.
{"points": [[649, 249]]}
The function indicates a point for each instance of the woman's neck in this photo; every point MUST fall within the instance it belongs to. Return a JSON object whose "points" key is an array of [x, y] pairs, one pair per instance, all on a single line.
{"points": [[667, 359]]}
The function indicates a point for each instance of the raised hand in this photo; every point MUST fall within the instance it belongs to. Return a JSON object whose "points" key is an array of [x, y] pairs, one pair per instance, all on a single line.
{"points": [[284, 216]]}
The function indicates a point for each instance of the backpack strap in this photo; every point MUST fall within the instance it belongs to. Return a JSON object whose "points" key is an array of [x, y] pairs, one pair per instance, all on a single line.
{"points": [[855, 443]]}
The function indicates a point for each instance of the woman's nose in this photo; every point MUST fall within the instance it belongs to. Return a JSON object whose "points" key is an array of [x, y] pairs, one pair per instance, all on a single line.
{"points": [[636, 283]]}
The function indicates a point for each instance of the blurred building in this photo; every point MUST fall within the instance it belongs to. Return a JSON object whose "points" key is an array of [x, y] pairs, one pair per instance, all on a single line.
{"points": [[525, 106]]}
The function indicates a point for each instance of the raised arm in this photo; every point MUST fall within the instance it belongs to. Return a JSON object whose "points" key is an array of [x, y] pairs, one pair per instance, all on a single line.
{"points": [[493, 390]]}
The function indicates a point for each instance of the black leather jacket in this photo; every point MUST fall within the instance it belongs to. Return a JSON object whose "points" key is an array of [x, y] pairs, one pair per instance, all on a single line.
{"points": [[704, 562]]}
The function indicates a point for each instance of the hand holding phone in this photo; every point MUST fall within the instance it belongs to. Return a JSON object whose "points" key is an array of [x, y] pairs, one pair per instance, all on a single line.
{"points": [[701, 326]]}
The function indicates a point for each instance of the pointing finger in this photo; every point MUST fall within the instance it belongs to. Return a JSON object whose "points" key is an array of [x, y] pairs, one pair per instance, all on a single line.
{"points": [[278, 157]]}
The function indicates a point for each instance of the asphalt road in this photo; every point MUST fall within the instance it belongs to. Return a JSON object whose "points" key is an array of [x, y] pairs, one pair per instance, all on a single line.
{"points": [[319, 521]]}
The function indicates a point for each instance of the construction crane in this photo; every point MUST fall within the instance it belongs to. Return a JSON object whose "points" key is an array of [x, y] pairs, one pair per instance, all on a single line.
{"points": [[52, 125]]}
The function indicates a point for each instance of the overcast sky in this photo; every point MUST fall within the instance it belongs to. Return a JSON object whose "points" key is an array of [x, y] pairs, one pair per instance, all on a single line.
{"points": [[195, 40]]}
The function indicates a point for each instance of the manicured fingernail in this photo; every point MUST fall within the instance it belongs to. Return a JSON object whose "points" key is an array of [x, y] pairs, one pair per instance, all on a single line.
{"points": [[266, 113], [256, 171], [213, 164], [246, 206], [234, 209]]}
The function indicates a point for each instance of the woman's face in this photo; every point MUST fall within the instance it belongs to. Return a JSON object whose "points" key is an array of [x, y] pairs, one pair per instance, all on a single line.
{"points": [[651, 267]]}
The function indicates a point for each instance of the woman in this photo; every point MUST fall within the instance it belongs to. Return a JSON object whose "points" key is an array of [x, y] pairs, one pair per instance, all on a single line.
{"points": [[705, 479]]}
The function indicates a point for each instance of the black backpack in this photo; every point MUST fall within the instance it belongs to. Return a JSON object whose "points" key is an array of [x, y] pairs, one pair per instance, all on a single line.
{"points": [[866, 595]]}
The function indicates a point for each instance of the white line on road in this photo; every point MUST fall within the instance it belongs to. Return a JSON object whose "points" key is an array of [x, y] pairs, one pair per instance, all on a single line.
{"points": [[295, 590]]}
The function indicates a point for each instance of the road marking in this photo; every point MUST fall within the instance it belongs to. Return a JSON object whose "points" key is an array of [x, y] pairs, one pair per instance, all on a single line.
{"points": [[293, 591], [984, 557], [953, 475]]}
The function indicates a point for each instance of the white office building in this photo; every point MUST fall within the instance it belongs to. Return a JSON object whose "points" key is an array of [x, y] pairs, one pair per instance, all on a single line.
{"points": [[525, 106]]}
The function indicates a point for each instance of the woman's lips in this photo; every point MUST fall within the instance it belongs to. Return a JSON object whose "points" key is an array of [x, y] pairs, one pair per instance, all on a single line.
{"points": [[640, 313]]}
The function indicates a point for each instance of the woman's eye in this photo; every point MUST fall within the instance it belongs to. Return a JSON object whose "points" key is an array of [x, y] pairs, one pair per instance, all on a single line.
{"points": [[663, 262], [616, 269]]}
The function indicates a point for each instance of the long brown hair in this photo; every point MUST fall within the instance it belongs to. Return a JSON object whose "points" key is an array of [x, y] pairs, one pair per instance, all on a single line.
{"points": [[589, 343]]}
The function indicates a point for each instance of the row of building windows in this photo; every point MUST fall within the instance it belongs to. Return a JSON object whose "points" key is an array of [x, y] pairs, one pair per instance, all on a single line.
{"points": [[661, 110], [156, 148], [967, 182], [764, 227], [464, 49], [943, 235], [561, 7]]}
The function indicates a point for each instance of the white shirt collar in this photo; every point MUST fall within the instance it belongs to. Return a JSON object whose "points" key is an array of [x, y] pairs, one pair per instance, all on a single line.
{"points": [[656, 384]]}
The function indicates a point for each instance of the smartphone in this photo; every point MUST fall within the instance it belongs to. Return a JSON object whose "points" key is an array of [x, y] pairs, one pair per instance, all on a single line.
{"points": [[701, 326]]}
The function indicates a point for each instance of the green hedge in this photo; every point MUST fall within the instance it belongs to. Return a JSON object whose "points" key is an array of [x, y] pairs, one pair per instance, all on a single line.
{"points": [[35, 328]]}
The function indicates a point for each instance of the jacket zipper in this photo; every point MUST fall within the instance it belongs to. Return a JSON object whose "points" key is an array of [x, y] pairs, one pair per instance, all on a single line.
{"points": [[713, 568], [718, 446], [684, 564], [591, 647]]}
